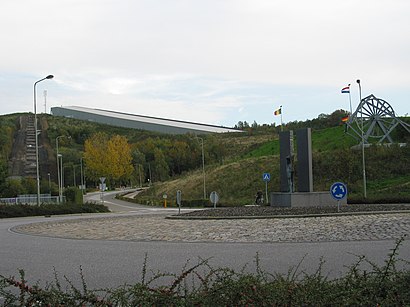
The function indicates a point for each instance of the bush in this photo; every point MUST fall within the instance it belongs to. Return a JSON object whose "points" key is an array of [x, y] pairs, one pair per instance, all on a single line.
{"points": [[391, 199], [384, 285], [74, 195], [7, 211], [194, 203]]}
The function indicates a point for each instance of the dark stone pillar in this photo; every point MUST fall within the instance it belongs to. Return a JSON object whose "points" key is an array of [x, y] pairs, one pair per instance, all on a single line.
{"points": [[286, 160], [304, 156]]}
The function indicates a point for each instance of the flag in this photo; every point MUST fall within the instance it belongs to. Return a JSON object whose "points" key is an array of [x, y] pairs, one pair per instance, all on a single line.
{"points": [[346, 89], [278, 112], [345, 119]]}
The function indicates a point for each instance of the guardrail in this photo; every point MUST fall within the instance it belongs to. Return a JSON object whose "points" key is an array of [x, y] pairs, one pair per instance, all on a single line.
{"points": [[31, 199]]}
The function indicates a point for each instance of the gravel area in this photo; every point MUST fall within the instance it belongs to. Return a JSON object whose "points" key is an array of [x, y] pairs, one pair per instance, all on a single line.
{"points": [[261, 211]]}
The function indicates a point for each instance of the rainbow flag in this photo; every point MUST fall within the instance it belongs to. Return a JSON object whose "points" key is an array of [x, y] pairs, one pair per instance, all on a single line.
{"points": [[345, 119]]}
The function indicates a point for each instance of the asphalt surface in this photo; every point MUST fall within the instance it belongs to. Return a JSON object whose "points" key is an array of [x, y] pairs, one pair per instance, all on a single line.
{"points": [[111, 263]]}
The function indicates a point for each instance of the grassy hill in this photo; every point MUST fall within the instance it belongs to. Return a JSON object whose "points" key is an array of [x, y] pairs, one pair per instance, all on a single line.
{"points": [[234, 163], [240, 176]]}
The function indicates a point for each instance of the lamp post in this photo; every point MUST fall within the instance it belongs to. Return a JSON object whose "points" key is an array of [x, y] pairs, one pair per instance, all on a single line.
{"points": [[363, 160], [74, 182], [81, 174], [58, 169], [203, 164], [139, 169], [36, 132], [49, 183]]}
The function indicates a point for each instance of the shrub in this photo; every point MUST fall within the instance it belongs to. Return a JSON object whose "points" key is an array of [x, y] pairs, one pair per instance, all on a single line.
{"points": [[74, 195], [390, 199], [384, 285], [7, 211]]}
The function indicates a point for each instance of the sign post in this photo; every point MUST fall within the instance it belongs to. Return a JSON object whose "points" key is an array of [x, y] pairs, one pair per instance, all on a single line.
{"points": [[102, 188], [165, 196], [266, 178], [179, 200], [214, 197], [338, 190]]}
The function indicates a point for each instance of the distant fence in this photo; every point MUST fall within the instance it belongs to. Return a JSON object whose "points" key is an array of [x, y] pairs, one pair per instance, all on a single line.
{"points": [[31, 199]]}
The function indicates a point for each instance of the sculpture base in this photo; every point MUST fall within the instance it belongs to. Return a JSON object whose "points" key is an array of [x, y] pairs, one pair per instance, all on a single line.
{"points": [[304, 199]]}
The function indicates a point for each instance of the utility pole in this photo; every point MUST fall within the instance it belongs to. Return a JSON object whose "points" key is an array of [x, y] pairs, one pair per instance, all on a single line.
{"points": [[363, 159], [45, 101]]}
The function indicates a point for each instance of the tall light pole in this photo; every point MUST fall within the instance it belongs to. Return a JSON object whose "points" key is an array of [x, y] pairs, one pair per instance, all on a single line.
{"points": [[49, 183], [82, 178], [74, 182], [203, 164], [58, 169], [36, 132], [139, 168], [363, 160]]}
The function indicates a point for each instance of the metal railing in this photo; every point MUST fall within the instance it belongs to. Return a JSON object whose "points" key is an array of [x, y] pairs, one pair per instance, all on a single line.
{"points": [[31, 199]]}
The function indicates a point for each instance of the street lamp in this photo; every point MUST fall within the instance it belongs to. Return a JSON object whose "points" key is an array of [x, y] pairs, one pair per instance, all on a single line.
{"points": [[363, 160], [74, 182], [203, 164], [82, 178], [59, 174], [49, 183], [36, 132]]}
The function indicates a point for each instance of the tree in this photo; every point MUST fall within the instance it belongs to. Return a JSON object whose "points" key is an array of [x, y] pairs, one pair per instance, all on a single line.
{"points": [[119, 158], [161, 168], [108, 157], [95, 155]]}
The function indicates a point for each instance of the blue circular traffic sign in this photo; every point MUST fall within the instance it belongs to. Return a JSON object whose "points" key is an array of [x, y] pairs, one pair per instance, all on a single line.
{"points": [[338, 190]]}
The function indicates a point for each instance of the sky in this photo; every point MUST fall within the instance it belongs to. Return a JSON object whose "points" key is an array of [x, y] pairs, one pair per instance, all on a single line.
{"points": [[211, 61]]}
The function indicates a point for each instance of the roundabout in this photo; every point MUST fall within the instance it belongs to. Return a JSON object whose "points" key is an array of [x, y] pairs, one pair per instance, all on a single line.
{"points": [[111, 248], [269, 230]]}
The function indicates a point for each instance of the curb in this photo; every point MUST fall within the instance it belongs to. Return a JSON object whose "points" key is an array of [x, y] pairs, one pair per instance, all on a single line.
{"points": [[181, 217]]}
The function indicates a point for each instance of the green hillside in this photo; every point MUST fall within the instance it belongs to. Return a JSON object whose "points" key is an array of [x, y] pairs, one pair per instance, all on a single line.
{"points": [[234, 163], [238, 179]]}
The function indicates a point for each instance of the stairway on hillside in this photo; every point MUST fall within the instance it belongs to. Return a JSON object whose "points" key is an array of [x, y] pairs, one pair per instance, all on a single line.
{"points": [[22, 162], [30, 148]]}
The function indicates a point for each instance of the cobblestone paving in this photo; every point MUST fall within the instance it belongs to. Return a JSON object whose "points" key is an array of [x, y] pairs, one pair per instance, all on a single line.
{"points": [[157, 228]]}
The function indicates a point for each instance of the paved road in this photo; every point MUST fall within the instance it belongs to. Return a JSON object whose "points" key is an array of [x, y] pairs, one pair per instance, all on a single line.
{"points": [[110, 263]]}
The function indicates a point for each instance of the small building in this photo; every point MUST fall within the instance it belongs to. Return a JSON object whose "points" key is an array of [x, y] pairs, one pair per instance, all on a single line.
{"points": [[141, 122]]}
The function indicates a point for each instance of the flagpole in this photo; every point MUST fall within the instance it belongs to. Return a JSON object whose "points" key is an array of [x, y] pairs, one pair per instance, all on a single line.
{"points": [[281, 119], [350, 100]]}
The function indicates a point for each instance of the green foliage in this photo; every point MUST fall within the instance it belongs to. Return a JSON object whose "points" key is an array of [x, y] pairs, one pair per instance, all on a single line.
{"points": [[365, 284], [192, 203], [7, 211], [8, 126], [74, 195], [18, 186], [234, 162]]}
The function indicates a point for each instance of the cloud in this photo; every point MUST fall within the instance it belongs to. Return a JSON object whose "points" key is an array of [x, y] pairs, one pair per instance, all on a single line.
{"points": [[216, 60]]}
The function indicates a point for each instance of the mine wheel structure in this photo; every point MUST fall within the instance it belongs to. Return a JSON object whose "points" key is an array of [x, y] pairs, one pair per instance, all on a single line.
{"points": [[375, 120]]}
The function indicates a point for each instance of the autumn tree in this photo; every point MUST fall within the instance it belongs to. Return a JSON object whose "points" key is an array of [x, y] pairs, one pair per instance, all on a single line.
{"points": [[161, 169], [108, 157]]}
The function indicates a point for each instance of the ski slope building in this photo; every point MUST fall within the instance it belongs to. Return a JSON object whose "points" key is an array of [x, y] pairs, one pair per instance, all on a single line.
{"points": [[141, 122]]}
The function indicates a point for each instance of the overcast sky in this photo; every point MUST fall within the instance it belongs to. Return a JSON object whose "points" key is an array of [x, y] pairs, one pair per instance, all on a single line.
{"points": [[209, 61]]}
